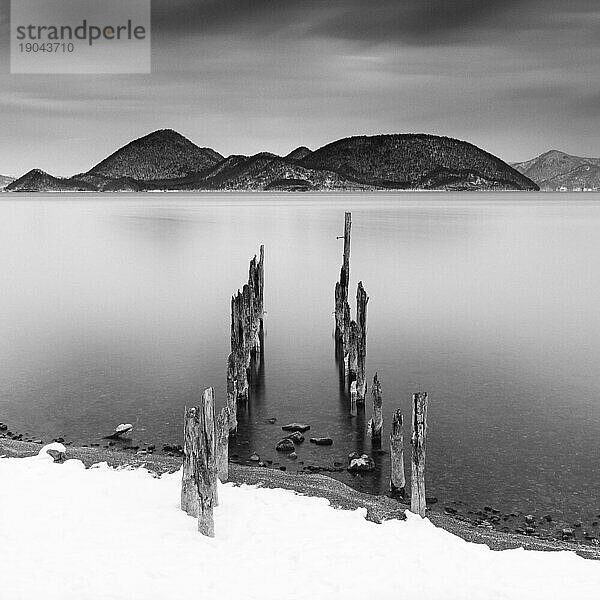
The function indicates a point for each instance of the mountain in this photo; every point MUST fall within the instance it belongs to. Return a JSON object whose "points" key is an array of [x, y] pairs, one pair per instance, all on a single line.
{"points": [[4, 181], [261, 172], [163, 154], [299, 153], [39, 181], [165, 160], [417, 161], [555, 170]]}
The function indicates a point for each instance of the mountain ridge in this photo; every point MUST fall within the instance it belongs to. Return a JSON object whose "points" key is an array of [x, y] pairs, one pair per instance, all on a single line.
{"points": [[555, 170], [5, 180], [166, 160]]}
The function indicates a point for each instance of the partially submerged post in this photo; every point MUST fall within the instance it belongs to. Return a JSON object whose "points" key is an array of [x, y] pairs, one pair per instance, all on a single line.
{"points": [[247, 324], [397, 479], [419, 439], [376, 423], [353, 410], [342, 309], [199, 484], [361, 341]]}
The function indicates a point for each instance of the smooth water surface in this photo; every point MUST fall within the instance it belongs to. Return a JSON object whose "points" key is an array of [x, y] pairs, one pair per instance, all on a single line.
{"points": [[117, 310]]}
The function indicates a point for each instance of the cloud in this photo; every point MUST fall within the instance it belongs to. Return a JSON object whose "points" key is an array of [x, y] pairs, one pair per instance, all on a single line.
{"points": [[421, 22]]}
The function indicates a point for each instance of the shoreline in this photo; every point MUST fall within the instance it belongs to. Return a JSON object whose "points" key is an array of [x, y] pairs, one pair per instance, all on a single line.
{"points": [[379, 508]]}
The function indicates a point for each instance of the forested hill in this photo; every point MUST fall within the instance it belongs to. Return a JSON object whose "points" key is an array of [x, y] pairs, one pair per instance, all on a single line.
{"points": [[165, 160], [163, 154], [417, 161]]}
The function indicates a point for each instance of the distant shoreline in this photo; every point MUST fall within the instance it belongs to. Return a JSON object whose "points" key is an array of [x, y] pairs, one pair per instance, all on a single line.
{"points": [[296, 193], [338, 494]]}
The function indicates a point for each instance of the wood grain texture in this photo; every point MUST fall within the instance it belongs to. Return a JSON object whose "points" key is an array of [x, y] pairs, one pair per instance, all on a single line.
{"points": [[419, 443]]}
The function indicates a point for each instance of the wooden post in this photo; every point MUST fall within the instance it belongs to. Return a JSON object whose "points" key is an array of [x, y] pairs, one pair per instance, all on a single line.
{"points": [[231, 393], [222, 442], [247, 323], [353, 410], [206, 466], [351, 360], [376, 423], [346, 261], [361, 342], [199, 484], [397, 479], [342, 310], [191, 454], [419, 439]]}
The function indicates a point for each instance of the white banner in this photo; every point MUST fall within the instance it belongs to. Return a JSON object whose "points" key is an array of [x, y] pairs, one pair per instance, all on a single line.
{"points": [[80, 36]]}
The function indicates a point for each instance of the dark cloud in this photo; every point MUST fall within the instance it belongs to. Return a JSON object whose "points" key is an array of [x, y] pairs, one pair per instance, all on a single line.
{"points": [[374, 20], [412, 21]]}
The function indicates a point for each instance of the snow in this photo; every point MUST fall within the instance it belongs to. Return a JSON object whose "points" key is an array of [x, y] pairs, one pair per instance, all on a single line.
{"points": [[74, 533]]}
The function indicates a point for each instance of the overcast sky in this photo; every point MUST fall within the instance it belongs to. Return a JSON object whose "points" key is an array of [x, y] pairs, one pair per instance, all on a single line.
{"points": [[515, 77]]}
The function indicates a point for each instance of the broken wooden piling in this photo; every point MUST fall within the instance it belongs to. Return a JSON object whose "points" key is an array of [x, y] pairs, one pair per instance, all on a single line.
{"points": [[206, 474], [376, 423], [419, 439], [397, 478], [342, 309], [199, 483], [247, 325], [361, 341], [353, 410], [222, 444], [350, 335]]}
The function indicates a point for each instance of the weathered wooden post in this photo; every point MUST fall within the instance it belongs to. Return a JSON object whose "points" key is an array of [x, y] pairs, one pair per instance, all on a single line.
{"points": [[376, 423], [231, 394], [351, 352], [419, 440], [361, 341], [199, 484], [247, 323], [342, 309], [222, 443], [397, 479], [206, 467], [353, 410], [191, 454]]}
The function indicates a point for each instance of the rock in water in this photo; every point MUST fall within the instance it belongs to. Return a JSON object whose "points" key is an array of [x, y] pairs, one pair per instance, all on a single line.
{"points": [[296, 437], [360, 463], [301, 427], [322, 441], [285, 445]]}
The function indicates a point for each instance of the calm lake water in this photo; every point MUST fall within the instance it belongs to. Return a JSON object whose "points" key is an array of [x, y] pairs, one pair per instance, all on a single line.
{"points": [[117, 310]]}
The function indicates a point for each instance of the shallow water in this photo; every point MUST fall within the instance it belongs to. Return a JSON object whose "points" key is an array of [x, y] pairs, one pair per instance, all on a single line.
{"points": [[117, 310]]}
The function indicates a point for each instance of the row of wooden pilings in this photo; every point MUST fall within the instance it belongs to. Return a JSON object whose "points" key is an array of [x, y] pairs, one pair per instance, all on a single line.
{"points": [[351, 348], [206, 438]]}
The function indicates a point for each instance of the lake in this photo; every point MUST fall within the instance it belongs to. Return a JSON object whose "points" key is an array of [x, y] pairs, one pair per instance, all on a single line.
{"points": [[117, 310]]}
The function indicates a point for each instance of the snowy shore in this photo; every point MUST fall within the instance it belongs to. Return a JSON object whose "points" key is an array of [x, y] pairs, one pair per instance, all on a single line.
{"points": [[71, 532], [379, 508]]}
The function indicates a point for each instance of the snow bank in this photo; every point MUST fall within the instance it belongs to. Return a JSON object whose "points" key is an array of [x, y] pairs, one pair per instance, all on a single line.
{"points": [[71, 533]]}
